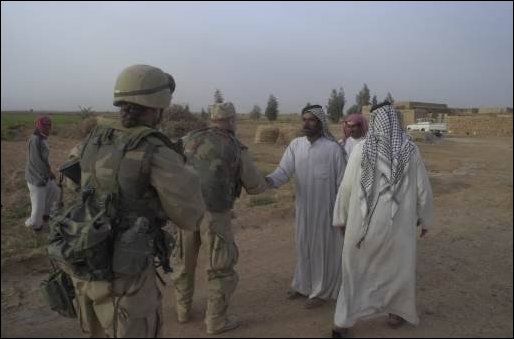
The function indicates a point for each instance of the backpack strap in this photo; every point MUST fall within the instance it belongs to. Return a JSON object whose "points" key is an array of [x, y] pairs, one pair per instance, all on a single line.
{"points": [[146, 165], [144, 132], [113, 187]]}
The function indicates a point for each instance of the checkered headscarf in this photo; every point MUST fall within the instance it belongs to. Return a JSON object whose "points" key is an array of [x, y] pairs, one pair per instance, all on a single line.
{"points": [[354, 119], [318, 112], [387, 149], [39, 123]]}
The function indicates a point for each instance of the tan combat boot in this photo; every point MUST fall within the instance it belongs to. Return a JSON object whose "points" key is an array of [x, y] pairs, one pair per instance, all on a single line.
{"points": [[183, 317], [229, 325], [183, 314]]}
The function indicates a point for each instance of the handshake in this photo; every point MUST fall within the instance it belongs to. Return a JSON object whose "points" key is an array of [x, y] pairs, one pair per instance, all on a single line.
{"points": [[269, 183]]}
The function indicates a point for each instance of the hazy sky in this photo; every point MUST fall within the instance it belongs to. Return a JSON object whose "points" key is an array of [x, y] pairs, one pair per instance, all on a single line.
{"points": [[58, 55]]}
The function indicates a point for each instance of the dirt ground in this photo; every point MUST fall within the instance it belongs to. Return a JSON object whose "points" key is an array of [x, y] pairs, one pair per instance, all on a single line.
{"points": [[464, 273]]}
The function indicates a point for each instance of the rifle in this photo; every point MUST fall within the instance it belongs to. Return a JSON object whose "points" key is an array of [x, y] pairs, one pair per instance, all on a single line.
{"points": [[164, 244], [61, 193]]}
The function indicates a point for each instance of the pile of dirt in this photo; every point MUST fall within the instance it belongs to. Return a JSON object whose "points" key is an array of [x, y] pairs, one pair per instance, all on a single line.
{"points": [[87, 125], [287, 134], [266, 134], [178, 121], [76, 130]]}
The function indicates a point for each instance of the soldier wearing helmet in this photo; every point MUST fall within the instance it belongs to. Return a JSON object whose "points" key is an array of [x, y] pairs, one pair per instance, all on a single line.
{"points": [[224, 166], [153, 185]]}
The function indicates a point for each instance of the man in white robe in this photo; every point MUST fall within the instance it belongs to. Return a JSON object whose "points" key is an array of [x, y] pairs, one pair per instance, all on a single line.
{"points": [[317, 163], [384, 195]]}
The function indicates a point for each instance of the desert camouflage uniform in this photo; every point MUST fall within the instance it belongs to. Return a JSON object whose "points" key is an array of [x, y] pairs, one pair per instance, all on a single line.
{"points": [[224, 166], [153, 183], [175, 194]]}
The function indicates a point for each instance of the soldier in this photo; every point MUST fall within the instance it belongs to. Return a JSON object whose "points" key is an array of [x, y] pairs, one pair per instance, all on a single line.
{"points": [[224, 166], [153, 184]]}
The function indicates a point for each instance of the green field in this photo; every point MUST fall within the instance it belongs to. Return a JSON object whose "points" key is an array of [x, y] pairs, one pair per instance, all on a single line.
{"points": [[13, 122]]}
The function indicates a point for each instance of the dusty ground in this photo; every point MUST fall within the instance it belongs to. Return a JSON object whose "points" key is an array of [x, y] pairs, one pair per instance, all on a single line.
{"points": [[464, 264]]}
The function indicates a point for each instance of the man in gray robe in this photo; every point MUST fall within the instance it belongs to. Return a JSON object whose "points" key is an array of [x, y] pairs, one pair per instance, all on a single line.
{"points": [[317, 162]]}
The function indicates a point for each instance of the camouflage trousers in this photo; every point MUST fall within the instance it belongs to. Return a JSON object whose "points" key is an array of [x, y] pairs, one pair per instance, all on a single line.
{"points": [[216, 237], [135, 299]]}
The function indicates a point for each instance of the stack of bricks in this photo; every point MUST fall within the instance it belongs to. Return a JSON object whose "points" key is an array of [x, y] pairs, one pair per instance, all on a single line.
{"points": [[495, 110], [480, 125], [483, 121]]}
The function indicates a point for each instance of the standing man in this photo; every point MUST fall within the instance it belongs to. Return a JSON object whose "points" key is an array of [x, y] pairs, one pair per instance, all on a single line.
{"points": [[317, 162], [355, 128], [384, 195], [224, 166], [40, 178], [117, 290]]}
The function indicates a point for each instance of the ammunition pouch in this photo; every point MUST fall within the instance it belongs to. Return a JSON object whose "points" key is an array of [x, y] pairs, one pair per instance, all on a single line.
{"points": [[81, 239], [58, 291]]}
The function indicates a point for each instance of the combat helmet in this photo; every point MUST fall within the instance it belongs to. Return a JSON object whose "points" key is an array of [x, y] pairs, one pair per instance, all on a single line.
{"points": [[144, 85], [222, 111]]}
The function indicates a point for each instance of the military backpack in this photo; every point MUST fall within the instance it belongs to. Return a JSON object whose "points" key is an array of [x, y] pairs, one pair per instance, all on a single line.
{"points": [[112, 228], [216, 155]]}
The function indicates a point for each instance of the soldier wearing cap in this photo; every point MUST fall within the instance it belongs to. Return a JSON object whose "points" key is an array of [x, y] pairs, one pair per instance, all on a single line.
{"points": [[224, 166], [154, 185]]}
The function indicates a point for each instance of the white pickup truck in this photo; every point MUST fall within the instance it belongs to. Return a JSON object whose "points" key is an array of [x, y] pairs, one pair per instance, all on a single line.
{"points": [[427, 126]]}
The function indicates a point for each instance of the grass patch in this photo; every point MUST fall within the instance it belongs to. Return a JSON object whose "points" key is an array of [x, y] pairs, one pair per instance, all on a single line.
{"points": [[261, 200], [27, 119], [20, 242], [16, 238], [21, 209]]}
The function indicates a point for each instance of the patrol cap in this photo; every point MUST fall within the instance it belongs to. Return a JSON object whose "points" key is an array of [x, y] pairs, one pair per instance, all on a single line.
{"points": [[222, 111], [144, 85]]}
